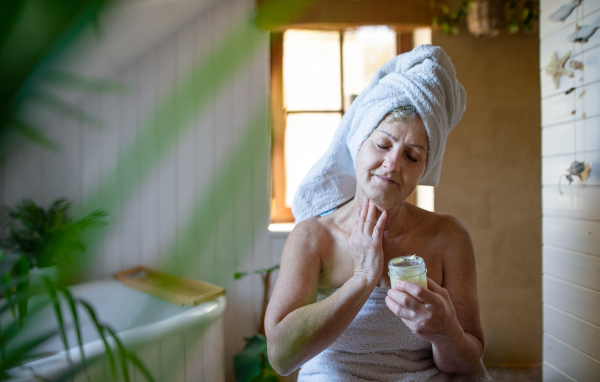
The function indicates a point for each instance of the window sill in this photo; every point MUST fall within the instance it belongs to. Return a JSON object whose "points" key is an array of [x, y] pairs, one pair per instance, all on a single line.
{"points": [[281, 229]]}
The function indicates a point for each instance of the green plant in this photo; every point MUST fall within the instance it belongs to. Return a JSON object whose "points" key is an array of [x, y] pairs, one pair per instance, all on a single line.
{"points": [[48, 237], [520, 14], [32, 34], [49, 293], [252, 364], [523, 12], [449, 20]]}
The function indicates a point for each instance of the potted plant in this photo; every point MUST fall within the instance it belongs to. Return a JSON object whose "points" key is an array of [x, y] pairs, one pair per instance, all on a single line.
{"points": [[252, 364], [38, 241], [35, 244]]}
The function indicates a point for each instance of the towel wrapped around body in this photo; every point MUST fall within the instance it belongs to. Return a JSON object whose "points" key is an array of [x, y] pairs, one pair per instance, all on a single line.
{"points": [[424, 78], [378, 346]]}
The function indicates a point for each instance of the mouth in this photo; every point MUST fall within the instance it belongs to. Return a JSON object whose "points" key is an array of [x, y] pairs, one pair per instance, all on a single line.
{"points": [[384, 179]]}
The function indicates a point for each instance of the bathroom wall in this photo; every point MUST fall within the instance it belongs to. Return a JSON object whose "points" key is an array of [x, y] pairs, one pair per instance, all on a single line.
{"points": [[571, 213], [491, 182], [180, 162]]}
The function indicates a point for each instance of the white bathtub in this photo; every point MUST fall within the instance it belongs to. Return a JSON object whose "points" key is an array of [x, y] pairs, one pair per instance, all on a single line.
{"points": [[175, 343]]}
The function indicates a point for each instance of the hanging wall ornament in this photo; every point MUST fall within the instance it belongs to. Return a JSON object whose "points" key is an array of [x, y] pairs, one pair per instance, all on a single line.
{"points": [[563, 12], [579, 169], [486, 18], [577, 65], [583, 34], [556, 68]]}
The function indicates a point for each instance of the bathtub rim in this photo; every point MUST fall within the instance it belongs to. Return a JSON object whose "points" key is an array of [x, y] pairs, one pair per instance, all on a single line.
{"points": [[200, 315]]}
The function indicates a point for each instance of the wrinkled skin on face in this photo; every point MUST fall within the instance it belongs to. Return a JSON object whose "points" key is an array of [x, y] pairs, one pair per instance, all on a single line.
{"points": [[391, 161]]}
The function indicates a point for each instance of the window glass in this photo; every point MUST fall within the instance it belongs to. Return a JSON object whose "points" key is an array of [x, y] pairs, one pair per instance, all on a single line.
{"points": [[311, 70], [307, 137], [365, 50]]}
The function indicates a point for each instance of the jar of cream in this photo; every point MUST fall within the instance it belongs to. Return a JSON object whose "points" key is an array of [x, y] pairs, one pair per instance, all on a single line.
{"points": [[408, 268]]}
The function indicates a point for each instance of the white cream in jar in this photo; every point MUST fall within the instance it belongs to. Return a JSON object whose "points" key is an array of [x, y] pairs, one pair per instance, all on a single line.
{"points": [[408, 268]]}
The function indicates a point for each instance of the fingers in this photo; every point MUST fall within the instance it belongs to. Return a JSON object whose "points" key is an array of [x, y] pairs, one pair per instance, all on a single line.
{"points": [[404, 300], [370, 219], [367, 222], [435, 288], [378, 230], [360, 221], [399, 310], [418, 292]]}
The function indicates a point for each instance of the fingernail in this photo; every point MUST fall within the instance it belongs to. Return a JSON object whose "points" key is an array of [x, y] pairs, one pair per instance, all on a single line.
{"points": [[364, 199]]}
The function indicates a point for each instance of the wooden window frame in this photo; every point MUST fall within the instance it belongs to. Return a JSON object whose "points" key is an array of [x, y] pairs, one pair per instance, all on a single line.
{"points": [[280, 213]]}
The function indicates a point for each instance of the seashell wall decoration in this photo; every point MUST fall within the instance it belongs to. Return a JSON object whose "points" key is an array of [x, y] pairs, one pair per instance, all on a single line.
{"points": [[563, 12], [583, 34]]}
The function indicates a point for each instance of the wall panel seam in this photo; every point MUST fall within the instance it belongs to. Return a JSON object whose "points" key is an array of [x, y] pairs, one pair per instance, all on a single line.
{"points": [[559, 371], [574, 120], [558, 310], [571, 347], [570, 250], [574, 186], [557, 93], [568, 217], [557, 279], [567, 154], [566, 249]]}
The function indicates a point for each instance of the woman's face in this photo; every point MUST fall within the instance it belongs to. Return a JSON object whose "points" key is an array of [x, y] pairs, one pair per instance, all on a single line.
{"points": [[391, 161]]}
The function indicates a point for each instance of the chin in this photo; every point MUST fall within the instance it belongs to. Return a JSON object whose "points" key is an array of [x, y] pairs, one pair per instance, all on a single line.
{"points": [[385, 201]]}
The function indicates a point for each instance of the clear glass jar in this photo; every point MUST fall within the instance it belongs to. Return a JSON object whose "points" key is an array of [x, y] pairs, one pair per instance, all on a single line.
{"points": [[408, 268]]}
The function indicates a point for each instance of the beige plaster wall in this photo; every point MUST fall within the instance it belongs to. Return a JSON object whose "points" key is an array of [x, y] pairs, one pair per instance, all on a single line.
{"points": [[491, 182]]}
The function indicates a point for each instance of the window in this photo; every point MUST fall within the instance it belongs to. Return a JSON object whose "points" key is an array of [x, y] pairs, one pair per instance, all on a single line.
{"points": [[315, 75]]}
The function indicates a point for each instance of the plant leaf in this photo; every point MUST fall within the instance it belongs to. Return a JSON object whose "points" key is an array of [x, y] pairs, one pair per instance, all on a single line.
{"points": [[86, 84], [100, 328], [73, 308], [58, 313], [247, 364], [64, 108]]}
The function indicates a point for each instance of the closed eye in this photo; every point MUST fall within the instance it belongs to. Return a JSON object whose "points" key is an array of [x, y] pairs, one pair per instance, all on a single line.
{"points": [[382, 147], [411, 158]]}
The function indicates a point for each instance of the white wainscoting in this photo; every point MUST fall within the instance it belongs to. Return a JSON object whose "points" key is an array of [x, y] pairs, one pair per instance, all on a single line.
{"points": [[571, 213]]}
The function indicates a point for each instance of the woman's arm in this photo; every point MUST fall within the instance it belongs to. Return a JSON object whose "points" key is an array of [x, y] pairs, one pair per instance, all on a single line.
{"points": [[446, 316], [297, 328]]}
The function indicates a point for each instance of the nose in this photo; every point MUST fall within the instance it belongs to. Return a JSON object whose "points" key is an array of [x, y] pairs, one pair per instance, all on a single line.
{"points": [[393, 161]]}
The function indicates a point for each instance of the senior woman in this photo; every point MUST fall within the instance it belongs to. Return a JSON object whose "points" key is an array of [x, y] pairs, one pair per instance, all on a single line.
{"points": [[333, 312]]}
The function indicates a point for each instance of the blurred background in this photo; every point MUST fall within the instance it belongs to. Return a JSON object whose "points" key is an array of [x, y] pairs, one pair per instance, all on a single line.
{"points": [[189, 125]]}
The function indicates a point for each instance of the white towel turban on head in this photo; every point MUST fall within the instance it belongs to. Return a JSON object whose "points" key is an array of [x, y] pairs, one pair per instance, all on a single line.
{"points": [[424, 78]]}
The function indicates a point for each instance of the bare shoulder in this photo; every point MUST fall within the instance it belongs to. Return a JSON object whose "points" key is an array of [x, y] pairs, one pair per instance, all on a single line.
{"points": [[309, 235], [443, 228], [452, 229]]}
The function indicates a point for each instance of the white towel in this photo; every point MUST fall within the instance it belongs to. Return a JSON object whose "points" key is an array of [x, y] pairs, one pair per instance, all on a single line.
{"points": [[378, 346], [424, 78]]}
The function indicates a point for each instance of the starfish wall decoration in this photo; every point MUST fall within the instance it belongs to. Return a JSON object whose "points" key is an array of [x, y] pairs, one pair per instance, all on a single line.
{"points": [[556, 68]]}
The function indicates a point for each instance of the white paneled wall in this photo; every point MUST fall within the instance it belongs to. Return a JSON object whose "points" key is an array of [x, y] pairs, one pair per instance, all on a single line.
{"points": [[571, 213], [181, 163]]}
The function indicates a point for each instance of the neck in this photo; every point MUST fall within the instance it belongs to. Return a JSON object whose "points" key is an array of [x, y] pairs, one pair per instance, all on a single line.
{"points": [[397, 216]]}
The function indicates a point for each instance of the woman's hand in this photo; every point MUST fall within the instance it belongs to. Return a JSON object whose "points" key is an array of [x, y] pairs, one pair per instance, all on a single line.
{"points": [[427, 313], [366, 242]]}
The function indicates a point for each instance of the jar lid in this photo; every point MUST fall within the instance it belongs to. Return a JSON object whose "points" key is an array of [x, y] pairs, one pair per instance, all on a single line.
{"points": [[406, 266], [406, 261]]}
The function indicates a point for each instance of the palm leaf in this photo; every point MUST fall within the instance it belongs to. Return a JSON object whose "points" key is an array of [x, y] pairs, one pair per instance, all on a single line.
{"points": [[59, 316], [16, 357], [100, 328], [73, 307], [122, 352], [86, 84]]}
